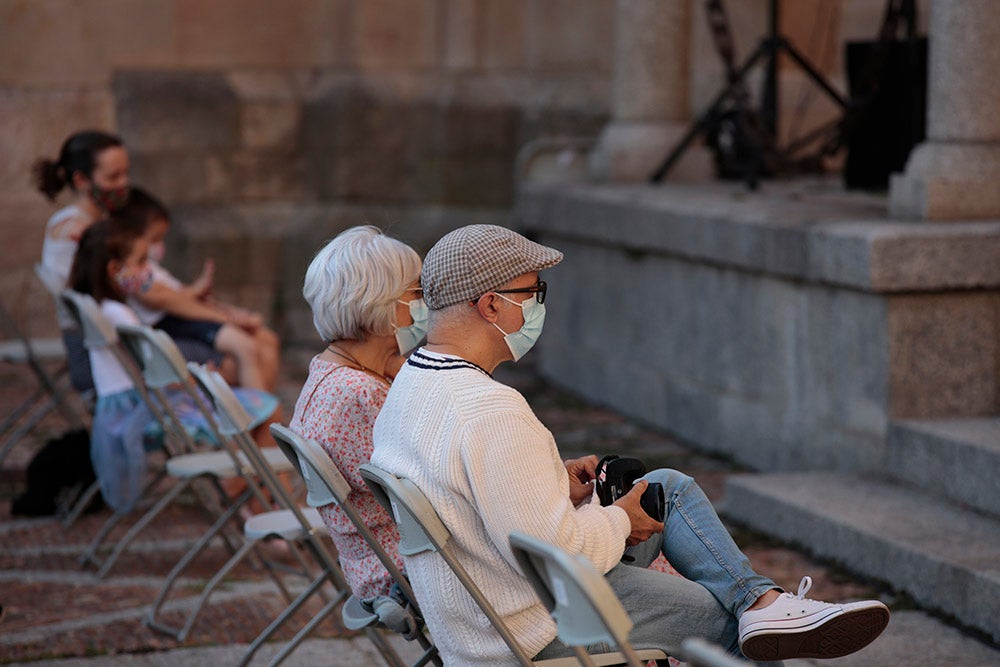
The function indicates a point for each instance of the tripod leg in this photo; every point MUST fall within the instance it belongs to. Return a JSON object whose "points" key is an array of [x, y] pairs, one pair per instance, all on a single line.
{"points": [[700, 124], [681, 146], [813, 73]]}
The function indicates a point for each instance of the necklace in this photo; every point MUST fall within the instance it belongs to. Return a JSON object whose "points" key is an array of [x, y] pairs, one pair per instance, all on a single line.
{"points": [[360, 366]]}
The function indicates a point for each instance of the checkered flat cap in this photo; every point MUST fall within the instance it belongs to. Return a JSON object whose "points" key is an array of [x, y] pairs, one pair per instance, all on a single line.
{"points": [[470, 261]]}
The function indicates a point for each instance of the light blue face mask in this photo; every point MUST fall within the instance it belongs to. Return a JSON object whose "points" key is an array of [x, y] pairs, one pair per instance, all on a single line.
{"points": [[408, 338], [522, 340]]}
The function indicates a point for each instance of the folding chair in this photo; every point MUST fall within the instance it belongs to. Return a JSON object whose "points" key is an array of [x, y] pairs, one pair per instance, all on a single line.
{"points": [[304, 527], [54, 286], [164, 368], [580, 600], [49, 394], [421, 529], [698, 652], [98, 333], [327, 485]]}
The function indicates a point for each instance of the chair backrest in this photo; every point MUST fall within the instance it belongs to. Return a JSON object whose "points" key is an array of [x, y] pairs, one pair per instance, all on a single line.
{"points": [[234, 420], [163, 366], [54, 286], [325, 484], [580, 600], [421, 529], [98, 332], [156, 353], [235, 423]]}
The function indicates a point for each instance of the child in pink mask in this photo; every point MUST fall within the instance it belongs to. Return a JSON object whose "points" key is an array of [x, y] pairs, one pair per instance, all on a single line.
{"points": [[111, 261], [189, 313]]}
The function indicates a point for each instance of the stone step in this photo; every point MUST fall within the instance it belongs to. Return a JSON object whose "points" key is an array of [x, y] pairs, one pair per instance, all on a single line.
{"points": [[959, 458], [946, 557]]}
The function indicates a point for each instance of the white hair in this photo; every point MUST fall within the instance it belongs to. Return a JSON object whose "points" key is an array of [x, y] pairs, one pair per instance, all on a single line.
{"points": [[353, 282]]}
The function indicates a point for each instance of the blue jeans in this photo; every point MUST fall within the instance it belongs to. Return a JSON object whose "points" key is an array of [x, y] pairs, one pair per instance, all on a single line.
{"points": [[718, 585]]}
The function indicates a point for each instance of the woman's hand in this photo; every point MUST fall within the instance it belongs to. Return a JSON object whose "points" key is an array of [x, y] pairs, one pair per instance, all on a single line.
{"points": [[245, 319]]}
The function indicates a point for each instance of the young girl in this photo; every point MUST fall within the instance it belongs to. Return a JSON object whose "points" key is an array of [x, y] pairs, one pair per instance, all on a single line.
{"points": [[187, 313], [111, 262]]}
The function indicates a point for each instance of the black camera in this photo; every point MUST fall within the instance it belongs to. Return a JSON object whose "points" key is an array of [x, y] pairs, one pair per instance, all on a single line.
{"points": [[615, 477]]}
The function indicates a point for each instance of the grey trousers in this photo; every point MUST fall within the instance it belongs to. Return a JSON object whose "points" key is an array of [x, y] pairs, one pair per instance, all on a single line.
{"points": [[719, 583]]}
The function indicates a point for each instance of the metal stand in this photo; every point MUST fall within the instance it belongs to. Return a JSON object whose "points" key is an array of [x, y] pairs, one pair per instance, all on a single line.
{"points": [[767, 150]]}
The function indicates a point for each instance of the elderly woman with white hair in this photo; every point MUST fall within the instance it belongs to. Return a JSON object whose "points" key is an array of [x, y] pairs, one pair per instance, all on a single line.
{"points": [[364, 290]]}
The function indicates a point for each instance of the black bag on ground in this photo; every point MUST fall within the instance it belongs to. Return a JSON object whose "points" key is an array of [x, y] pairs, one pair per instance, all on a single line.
{"points": [[61, 468]]}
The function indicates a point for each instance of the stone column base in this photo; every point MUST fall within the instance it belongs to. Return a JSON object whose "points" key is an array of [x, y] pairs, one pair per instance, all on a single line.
{"points": [[948, 181], [631, 151]]}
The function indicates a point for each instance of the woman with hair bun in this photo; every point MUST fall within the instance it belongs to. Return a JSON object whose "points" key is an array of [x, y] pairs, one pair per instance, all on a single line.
{"points": [[94, 166]]}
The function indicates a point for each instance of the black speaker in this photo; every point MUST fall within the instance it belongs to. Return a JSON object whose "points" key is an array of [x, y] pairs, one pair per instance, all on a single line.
{"points": [[893, 114]]}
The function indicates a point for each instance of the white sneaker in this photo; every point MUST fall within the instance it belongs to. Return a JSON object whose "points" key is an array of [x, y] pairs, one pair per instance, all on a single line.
{"points": [[793, 626]]}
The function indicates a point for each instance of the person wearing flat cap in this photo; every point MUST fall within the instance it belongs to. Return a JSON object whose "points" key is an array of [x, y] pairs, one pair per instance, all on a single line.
{"points": [[489, 467]]}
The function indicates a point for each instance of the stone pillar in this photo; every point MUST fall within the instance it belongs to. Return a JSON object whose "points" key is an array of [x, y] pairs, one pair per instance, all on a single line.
{"points": [[955, 173], [649, 110]]}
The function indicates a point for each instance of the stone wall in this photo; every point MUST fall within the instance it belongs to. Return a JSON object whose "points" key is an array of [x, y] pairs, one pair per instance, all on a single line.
{"points": [[264, 118], [256, 119], [254, 164], [785, 328]]}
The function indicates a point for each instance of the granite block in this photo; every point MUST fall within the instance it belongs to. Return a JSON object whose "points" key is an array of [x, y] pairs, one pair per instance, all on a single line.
{"points": [[943, 355], [163, 111], [295, 33]]}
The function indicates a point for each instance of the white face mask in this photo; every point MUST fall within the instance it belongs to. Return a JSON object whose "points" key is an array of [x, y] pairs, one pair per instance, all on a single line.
{"points": [[522, 340], [408, 338]]}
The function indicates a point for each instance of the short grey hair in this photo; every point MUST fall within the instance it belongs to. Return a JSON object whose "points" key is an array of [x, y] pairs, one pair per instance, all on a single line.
{"points": [[353, 282]]}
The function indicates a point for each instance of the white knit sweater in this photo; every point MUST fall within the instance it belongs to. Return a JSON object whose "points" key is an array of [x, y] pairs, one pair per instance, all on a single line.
{"points": [[489, 467]]}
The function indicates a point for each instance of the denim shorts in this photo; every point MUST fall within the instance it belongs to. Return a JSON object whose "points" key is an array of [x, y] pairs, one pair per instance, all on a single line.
{"points": [[199, 330]]}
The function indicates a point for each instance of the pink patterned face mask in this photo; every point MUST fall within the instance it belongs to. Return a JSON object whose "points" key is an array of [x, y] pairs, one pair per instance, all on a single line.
{"points": [[133, 281], [110, 200]]}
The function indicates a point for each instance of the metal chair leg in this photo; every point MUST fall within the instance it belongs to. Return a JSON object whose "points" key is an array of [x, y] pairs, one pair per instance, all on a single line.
{"points": [[138, 527], [196, 549], [287, 613], [89, 555], [81, 504]]}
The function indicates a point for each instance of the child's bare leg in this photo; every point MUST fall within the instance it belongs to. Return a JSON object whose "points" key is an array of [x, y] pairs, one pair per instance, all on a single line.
{"points": [[228, 369], [237, 342], [268, 356], [261, 435]]}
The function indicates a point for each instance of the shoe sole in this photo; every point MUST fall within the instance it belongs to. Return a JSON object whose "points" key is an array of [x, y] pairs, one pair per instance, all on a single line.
{"points": [[837, 637]]}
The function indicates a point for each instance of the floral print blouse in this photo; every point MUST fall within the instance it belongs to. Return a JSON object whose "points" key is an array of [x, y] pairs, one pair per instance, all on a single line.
{"points": [[337, 408]]}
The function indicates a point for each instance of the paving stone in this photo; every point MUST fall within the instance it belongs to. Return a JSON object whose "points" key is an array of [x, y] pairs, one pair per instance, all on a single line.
{"points": [[59, 614]]}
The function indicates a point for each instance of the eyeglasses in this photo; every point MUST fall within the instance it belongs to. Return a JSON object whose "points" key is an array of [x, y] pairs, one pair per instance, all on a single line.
{"points": [[538, 289], [418, 292]]}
